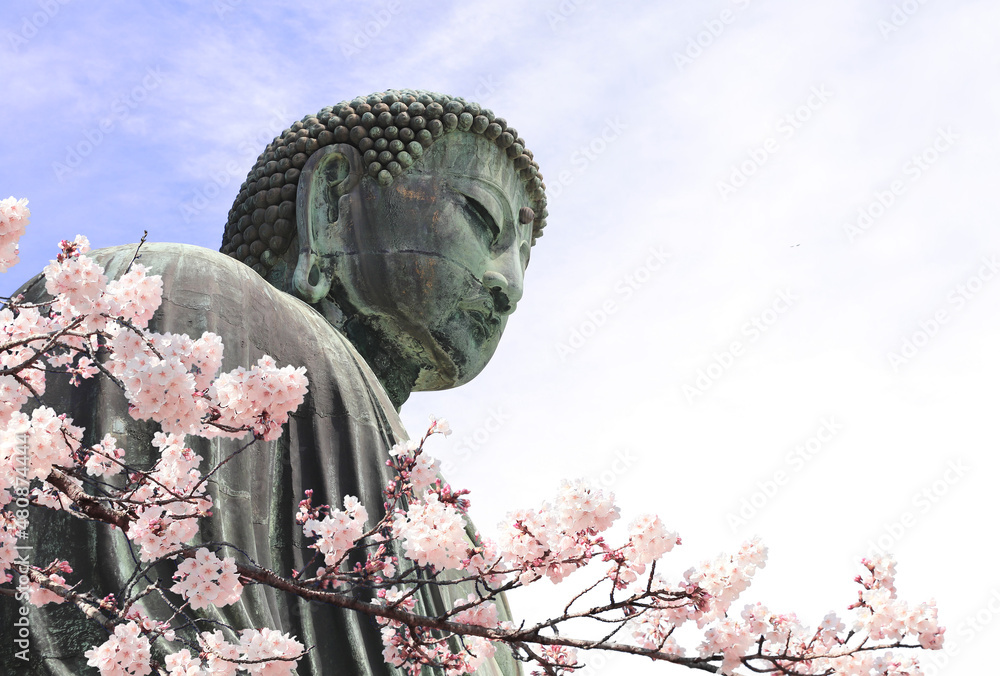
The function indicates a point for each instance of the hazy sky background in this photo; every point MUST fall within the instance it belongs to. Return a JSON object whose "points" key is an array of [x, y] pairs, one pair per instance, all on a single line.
{"points": [[771, 198]]}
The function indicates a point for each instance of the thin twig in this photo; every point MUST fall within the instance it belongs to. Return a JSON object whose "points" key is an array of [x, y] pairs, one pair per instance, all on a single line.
{"points": [[136, 254]]}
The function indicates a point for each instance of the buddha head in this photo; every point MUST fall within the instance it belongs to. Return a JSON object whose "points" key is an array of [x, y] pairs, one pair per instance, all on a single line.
{"points": [[407, 219]]}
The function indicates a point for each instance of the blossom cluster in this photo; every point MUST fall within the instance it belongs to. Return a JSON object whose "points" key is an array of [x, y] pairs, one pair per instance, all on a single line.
{"points": [[39, 595], [125, 653], [162, 386], [14, 216], [781, 641], [649, 539], [263, 652], [50, 440], [560, 537], [415, 467], [433, 533], [105, 458], [8, 544], [883, 616], [170, 495], [337, 532], [724, 578], [410, 647], [704, 596], [84, 305], [170, 379], [558, 656], [259, 398], [206, 580], [16, 333]]}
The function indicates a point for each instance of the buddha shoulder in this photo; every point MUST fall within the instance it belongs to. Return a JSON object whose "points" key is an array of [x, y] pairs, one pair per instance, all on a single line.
{"points": [[204, 290]]}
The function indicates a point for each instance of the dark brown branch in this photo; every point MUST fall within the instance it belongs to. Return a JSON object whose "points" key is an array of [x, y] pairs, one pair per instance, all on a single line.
{"points": [[530, 635], [136, 254], [86, 503]]}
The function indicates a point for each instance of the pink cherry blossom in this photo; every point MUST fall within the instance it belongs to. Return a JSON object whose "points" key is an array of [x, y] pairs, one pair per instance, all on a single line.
{"points": [[39, 595], [261, 397], [14, 215], [439, 426], [415, 465], [8, 544], [125, 653], [581, 506], [433, 533], [337, 532], [101, 461], [731, 638], [80, 283], [482, 613], [47, 436], [557, 654], [264, 644], [279, 652], [206, 580], [649, 539], [724, 578], [19, 331], [136, 295], [182, 664]]}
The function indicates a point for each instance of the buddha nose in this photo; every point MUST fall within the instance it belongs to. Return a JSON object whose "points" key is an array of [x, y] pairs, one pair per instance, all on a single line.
{"points": [[504, 280]]}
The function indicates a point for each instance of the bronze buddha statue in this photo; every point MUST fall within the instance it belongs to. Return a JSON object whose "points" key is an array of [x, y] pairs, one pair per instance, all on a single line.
{"points": [[380, 243]]}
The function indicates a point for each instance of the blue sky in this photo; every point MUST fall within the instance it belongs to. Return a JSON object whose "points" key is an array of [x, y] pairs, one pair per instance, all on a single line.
{"points": [[754, 206]]}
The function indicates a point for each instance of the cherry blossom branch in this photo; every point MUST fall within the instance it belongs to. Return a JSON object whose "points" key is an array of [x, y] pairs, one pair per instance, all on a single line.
{"points": [[87, 503], [102, 325], [135, 256], [531, 635]]}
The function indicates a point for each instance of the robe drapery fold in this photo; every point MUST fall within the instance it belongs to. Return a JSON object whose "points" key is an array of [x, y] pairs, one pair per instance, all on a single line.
{"points": [[336, 444]]}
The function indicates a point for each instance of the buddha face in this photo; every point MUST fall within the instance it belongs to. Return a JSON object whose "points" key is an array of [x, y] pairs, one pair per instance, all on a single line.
{"points": [[435, 261]]}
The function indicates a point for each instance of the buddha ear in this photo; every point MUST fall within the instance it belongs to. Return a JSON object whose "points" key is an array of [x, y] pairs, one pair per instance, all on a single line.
{"points": [[330, 173]]}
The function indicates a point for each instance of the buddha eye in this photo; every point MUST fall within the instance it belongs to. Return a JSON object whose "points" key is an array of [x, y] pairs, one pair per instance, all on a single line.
{"points": [[482, 215]]}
